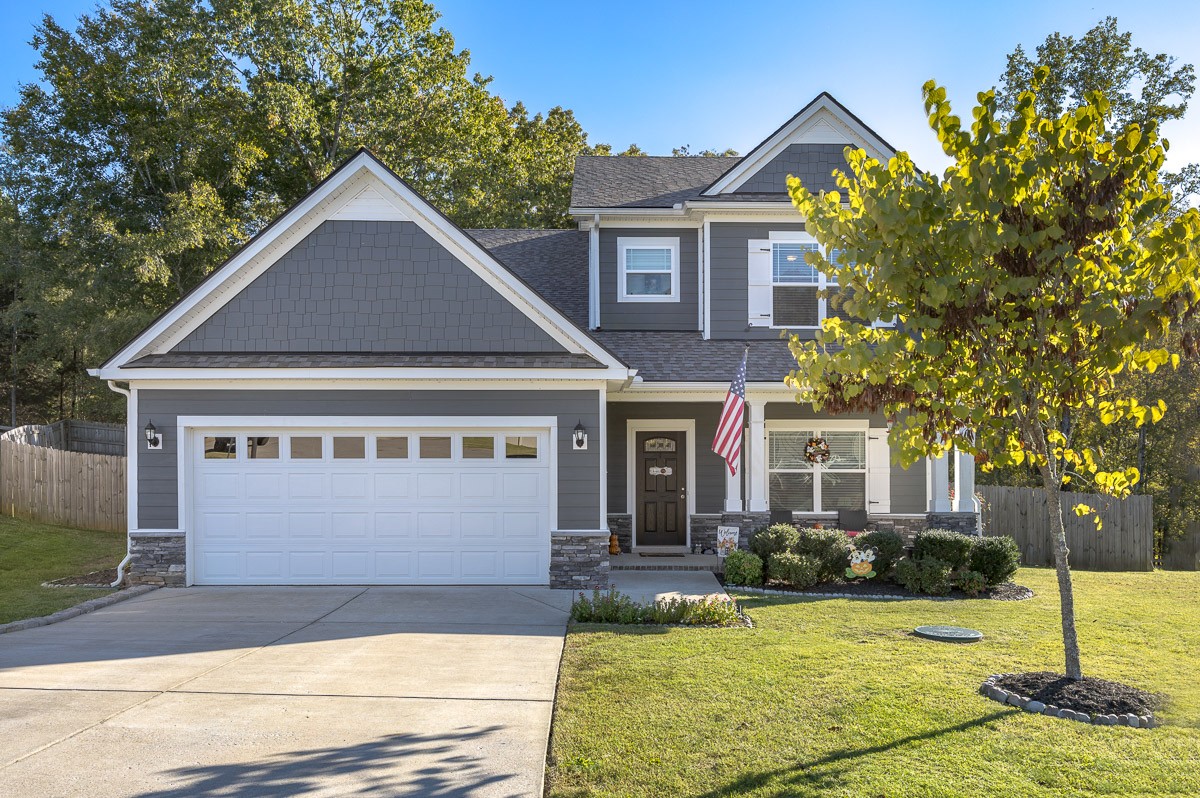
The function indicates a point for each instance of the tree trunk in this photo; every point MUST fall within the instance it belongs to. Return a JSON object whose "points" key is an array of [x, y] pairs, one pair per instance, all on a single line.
{"points": [[1066, 594]]}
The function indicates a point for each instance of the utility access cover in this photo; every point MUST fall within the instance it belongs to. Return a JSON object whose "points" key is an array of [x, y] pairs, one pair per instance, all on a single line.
{"points": [[949, 634]]}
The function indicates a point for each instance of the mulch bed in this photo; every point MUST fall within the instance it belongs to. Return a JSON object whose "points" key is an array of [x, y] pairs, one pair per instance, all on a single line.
{"points": [[1009, 591], [94, 579], [1093, 696]]}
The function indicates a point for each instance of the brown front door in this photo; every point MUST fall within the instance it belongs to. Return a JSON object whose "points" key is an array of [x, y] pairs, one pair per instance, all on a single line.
{"points": [[661, 488]]}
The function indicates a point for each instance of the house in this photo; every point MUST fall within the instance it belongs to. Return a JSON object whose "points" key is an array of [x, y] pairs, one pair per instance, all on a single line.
{"points": [[365, 393]]}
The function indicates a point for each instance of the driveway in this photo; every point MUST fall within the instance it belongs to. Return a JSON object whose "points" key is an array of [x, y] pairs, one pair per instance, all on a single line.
{"points": [[286, 692]]}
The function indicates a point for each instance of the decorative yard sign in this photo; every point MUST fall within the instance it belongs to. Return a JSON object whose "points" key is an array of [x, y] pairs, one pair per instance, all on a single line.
{"points": [[860, 563], [727, 540]]}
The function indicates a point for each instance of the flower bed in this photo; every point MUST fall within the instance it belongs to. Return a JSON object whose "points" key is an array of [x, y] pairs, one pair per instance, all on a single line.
{"points": [[612, 606], [1096, 701]]}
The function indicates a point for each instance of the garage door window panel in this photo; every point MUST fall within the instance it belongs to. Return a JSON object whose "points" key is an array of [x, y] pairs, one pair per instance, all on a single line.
{"points": [[388, 447], [220, 447], [436, 447], [476, 447], [306, 447], [262, 447], [521, 447], [349, 447]]}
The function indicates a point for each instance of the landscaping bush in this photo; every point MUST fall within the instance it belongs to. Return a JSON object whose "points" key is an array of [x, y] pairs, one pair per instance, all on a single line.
{"points": [[797, 570], [743, 568], [774, 540], [610, 606], [942, 544], [830, 548], [889, 548], [970, 582], [996, 558], [924, 575]]}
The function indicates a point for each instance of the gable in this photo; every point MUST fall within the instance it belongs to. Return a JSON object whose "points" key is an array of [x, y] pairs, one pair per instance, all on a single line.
{"points": [[368, 286], [810, 145]]}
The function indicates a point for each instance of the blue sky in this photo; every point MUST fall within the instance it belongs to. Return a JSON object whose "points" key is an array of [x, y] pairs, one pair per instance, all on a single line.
{"points": [[663, 73]]}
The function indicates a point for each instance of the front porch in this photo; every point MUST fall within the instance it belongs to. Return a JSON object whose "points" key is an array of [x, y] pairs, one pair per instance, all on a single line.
{"points": [[668, 490]]}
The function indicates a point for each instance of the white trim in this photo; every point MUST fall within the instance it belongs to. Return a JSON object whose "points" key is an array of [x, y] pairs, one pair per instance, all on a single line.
{"points": [[132, 443], [824, 110], [602, 446], [626, 243], [594, 274], [331, 383], [327, 374], [651, 212], [632, 427], [185, 425], [821, 425], [706, 307], [180, 320], [701, 288], [700, 392]]}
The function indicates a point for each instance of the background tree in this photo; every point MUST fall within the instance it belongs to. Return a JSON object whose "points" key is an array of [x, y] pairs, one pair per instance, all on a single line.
{"points": [[1040, 266]]}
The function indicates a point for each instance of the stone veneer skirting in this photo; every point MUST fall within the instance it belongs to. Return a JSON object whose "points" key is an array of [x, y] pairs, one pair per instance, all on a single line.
{"points": [[157, 560], [579, 560]]}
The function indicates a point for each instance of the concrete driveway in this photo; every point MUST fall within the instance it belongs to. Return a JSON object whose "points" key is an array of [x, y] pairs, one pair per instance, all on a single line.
{"points": [[286, 692]]}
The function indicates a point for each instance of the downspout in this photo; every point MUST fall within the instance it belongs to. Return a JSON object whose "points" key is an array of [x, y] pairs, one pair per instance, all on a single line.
{"points": [[112, 386]]}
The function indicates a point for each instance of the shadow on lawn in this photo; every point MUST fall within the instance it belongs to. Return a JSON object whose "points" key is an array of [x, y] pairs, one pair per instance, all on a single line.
{"points": [[828, 771], [439, 766]]}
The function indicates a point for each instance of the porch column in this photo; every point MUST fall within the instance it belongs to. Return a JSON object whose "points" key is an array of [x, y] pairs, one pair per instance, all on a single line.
{"points": [[964, 482], [756, 455], [733, 488], [939, 483]]}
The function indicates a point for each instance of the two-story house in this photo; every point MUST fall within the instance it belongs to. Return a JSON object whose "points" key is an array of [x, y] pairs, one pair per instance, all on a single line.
{"points": [[366, 394]]}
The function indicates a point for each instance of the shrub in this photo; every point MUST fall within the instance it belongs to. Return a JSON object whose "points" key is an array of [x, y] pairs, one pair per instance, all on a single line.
{"points": [[942, 544], [889, 548], [611, 606], [996, 558], [743, 568], [796, 570], [924, 575], [830, 548], [773, 540], [712, 610], [605, 606], [970, 582]]}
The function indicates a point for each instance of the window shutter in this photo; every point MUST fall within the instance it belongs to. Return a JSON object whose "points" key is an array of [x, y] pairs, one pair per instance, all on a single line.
{"points": [[758, 277], [879, 472]]}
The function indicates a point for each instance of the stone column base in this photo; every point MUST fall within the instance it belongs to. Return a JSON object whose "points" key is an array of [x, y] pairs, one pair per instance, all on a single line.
{"points": [[747, 524], [579, 560], [966, 523], [157, 560]]}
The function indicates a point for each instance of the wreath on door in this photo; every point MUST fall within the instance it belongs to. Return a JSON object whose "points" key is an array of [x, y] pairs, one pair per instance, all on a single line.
{"points": [[817, 450]]}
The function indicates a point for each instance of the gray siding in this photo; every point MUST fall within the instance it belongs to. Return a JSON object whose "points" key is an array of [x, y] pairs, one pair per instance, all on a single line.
{"points": [[681, 315], [812, 163], [710, 469], [728, 278], [368, 287], [908, 485], [578, 472]]}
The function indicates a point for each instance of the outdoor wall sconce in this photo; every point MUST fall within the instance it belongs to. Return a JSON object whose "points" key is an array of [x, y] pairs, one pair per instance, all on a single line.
{"points": [[579, 439], [153, 439]]}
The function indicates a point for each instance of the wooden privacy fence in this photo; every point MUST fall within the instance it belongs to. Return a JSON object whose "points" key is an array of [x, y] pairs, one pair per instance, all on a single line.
{"points": [[1125, 541], [73, 435], [59, 487]]}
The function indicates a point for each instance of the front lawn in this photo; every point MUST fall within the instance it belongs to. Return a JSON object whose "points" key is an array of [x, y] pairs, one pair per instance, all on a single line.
{"points": [[32, 553], [835, 697]]}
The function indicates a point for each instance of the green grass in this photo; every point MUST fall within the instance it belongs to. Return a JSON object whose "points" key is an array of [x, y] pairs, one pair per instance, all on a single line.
{"points": [[32, 553], [836, 698]]}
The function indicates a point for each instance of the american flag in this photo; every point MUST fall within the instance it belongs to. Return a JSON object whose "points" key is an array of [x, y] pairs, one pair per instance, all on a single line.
{"points": [[728, 440]]}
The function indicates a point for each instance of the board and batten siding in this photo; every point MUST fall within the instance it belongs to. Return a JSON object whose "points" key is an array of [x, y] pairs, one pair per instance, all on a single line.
{"points": [[908, 492], [368, 287], [681, 315], [729, 278], [710, 468], [579, 475]]}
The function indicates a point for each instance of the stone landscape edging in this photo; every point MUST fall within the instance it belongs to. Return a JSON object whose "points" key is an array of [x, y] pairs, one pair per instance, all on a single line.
{"points": [[79, 609], [767, 591], [989, 690]]}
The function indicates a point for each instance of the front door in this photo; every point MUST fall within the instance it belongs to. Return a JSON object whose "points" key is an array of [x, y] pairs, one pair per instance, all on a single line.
{"points": [[661, 488]]}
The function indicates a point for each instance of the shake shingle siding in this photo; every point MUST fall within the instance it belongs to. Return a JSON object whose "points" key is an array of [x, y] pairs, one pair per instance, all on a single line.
{"points": [[681, 315], [812, 163], [368, 287]]}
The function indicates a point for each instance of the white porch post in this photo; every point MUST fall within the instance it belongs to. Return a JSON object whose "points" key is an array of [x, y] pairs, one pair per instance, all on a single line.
{"points": [[964, 482], [733, 489], [939, 484], [756, 455]]}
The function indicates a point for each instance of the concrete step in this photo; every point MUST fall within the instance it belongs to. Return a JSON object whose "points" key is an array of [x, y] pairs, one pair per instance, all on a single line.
{"points": [[688, 562]]}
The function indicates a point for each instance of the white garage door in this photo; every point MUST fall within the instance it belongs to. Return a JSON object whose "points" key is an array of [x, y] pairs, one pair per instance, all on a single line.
{"points": [[397, 506]]}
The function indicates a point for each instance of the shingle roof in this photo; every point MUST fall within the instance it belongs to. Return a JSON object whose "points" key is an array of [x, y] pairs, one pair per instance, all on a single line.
{"points": [[645, 181], [248, 360], [553, 262]]}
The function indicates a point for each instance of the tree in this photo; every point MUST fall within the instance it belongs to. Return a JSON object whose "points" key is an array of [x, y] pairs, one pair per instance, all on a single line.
{"points": [[686, 152], [1025, 280]]}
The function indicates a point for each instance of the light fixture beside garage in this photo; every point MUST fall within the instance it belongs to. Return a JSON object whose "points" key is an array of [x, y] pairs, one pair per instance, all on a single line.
{"points": [[579, 440], [153, 439]]}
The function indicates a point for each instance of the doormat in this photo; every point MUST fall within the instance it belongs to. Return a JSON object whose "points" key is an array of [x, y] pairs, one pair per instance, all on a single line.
{"points": [[641, 554]]}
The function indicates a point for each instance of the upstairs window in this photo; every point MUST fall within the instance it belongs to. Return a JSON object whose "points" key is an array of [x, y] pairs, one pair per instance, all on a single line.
{"points": [[785, 291], [648, 269]]}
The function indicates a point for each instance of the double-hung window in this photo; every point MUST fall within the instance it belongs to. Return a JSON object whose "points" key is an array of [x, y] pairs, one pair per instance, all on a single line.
{"points": [[800, 486], [785, 290], [648, 269]]}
